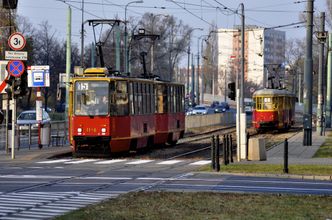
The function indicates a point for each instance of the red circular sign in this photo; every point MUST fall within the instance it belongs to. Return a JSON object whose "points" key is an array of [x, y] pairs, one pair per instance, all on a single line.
{"points": [[15, 68], [16, 41]]}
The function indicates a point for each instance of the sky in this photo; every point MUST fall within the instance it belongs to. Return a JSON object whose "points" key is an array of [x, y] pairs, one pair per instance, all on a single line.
{"points": [[195, 13]]}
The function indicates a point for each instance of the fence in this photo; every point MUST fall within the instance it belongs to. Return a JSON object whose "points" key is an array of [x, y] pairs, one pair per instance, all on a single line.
{"points": [[54, 135]]}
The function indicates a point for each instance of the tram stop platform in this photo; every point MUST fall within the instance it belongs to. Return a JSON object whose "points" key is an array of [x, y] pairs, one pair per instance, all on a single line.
{"points": [[297, 152]]}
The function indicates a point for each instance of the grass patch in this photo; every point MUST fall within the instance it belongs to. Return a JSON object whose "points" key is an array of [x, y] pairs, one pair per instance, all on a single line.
{"points": [[325, 151], [180, 205], [275, 169]]}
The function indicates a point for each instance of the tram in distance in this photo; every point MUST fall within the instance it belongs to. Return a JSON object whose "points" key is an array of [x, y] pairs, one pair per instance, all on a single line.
{"points": [[109, 114], [273, 109]]}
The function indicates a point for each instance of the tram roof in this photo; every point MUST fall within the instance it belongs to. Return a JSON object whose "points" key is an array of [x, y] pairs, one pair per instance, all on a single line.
{"points": [[273, 92]]}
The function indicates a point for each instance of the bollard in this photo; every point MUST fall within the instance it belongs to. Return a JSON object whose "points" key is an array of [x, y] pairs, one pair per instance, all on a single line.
{"points": [[286, 156], [213, 165], [224, 151], [247, 145], [217, 154], [230, 148]]}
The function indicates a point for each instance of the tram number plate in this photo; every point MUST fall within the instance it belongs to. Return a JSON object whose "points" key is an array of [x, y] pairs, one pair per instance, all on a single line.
{"points": [[83, 86]]}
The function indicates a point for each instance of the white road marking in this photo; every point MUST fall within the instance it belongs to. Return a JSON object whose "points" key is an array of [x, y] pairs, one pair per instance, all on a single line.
{"points": [[169, 162], [54, 161], [110, 161], [200, 162], [139, 162], [81, 161]]}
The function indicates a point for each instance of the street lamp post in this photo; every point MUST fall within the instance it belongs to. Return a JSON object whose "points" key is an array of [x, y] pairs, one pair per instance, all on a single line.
{"points": [[126, 36], [188, 67], [198, 65]]}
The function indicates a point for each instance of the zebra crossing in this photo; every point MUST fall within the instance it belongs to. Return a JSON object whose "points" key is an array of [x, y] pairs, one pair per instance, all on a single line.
{"points": [[123, 161], [46, 205]]}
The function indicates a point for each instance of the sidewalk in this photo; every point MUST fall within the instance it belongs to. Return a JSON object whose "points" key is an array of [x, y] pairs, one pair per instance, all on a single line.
{"points": [[297, 153], [24, 154]]}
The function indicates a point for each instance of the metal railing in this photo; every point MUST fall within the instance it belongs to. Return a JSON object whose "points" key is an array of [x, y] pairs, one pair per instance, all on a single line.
{"points": [[54, 135]]}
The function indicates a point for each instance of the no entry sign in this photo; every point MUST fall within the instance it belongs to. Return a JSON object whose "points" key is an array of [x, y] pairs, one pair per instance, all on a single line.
{"points": [[15, 68]]}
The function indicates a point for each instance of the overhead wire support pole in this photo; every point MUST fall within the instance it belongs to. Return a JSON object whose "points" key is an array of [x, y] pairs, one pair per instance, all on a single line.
{"points": [[307, 83], [126, 50], [321, 36], [82, 36]]}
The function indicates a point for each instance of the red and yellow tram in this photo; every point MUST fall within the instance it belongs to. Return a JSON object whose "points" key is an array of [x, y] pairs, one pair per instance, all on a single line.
{"points": [[117, 114], [273, 109]]}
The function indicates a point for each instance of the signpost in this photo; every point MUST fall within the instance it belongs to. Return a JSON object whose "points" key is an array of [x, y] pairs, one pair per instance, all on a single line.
{"points": [[16, 68]]}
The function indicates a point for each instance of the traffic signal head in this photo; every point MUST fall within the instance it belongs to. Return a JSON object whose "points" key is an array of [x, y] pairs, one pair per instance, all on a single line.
{"points": [[20, 85], [9, 4], [231, 90]]}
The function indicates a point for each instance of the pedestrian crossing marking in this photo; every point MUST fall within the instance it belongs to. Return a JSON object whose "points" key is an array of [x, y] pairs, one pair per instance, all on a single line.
{"points": [[54, 161], [169, 162], [124, 161], [110, 161], [80, 161], [139, 162], [200, 162]]}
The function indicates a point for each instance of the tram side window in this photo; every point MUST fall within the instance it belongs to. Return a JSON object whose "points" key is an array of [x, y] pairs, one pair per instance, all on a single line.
{"points": [[152, 98], [131, 98], [148, 98], [160, 97], [165, 100], [121, 98]]}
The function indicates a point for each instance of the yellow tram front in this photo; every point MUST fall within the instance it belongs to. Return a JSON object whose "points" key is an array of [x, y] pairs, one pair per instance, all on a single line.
{"points": [[273, 109]]}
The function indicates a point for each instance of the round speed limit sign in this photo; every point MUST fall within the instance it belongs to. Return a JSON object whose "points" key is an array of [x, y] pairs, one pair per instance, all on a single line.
{"points": [[16, 41]]}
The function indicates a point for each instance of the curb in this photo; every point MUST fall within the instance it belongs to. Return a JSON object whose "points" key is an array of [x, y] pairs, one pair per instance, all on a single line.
{"points": [[286, 176]]}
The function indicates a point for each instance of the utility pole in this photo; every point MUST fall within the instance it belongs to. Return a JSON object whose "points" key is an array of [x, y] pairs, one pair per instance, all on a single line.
{"points": [[329, 83], [307, 89], [192, 80], [68, 59], [188, 71], [82, 36], [240, 114], [321, 36]]}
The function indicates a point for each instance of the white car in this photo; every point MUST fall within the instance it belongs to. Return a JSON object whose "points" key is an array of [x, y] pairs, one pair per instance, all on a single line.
{"points": [[200, 110], [28, 118]]}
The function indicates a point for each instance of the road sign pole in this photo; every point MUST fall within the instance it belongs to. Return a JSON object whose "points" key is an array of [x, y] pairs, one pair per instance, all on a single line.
{"points": [[38, 109], [13, 122]]}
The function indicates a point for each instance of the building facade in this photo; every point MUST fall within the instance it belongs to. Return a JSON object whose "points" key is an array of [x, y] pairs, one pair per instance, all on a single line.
{"points": [[264, 56]]}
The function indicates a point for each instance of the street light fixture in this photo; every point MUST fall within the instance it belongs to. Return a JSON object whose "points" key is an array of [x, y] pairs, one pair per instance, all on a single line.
{"points": [[126, 35]]}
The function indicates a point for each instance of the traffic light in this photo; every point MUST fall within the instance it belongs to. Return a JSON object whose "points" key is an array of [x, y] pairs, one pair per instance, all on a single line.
{"points": [[9, 4], [231, 90], [20, 85], [9, 89]]}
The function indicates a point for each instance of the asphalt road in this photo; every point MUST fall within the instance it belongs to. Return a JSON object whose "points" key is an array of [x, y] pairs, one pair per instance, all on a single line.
{"points": [[42, 189]]}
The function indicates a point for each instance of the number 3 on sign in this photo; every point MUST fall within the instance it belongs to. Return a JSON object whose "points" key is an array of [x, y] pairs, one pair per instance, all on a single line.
{"points": [[16, 41]]}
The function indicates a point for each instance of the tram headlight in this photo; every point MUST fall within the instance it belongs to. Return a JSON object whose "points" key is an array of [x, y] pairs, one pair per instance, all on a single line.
{"points": [[79, 130], [103, 130]]}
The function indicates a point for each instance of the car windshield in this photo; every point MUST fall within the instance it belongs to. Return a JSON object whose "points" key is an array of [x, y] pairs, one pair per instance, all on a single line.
{"points": [[199, 108], [27, 116]]}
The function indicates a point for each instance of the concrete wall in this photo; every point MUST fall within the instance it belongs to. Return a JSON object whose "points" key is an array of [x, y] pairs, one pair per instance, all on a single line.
{"points": [[195, 121]]}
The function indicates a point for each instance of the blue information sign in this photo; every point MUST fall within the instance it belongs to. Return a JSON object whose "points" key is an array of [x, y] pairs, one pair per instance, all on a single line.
{"points": [[15, 68]]}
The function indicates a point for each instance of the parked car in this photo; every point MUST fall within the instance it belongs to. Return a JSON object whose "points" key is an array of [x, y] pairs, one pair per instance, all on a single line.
{"points": [[222, 107], [200, 110], [215, 104], [28, 118]]}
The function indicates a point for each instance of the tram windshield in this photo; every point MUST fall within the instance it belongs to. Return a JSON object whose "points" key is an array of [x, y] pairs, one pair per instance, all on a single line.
{"points": [[91, 98]]}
